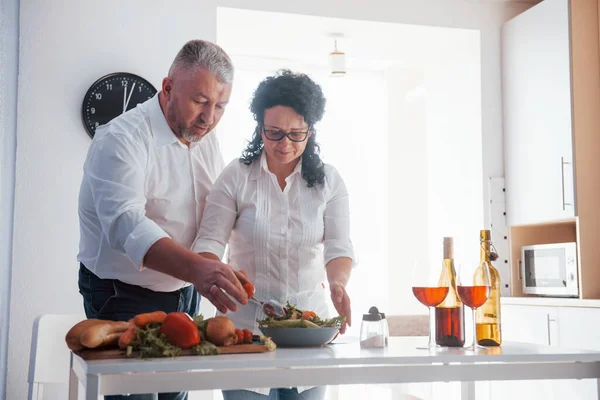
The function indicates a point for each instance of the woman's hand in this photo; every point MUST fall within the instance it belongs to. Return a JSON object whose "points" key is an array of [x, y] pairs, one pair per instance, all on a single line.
{"points": [[341, 301], [338, 274]]}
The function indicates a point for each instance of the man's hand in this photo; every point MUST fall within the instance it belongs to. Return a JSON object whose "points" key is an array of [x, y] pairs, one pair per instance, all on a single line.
{"points": [[341, 301], [213, 279]]}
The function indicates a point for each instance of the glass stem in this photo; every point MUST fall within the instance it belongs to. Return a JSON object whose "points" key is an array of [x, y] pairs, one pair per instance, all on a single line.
{"points": [[474, 329], [431, 326]]}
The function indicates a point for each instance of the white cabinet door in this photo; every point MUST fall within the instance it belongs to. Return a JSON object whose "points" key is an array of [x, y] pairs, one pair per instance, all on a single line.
{"points": [[527, 324], [578, 329], [530, 324], [536, 90]]}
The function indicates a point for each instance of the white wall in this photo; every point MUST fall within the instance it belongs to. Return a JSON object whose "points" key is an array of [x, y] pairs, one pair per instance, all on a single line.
{"points": [[9, 49], [65, 46]]}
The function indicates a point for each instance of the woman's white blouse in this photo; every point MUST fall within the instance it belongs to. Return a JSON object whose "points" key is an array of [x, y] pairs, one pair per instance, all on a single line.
{"points": [[282, 239]]}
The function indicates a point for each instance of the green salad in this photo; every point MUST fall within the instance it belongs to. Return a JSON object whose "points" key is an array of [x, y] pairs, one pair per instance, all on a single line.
{"points": [[295, 318]]}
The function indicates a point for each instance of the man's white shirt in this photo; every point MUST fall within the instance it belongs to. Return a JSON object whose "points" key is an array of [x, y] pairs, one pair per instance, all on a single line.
{"points": [[141, 184]]}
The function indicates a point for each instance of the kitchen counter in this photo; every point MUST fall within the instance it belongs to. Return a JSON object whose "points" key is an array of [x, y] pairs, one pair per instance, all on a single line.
{"points": [[549, 302], [336, 364]]}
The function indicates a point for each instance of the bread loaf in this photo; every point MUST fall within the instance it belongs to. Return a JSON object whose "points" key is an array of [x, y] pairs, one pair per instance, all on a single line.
{"points": [[105, 334], [73, 337]]}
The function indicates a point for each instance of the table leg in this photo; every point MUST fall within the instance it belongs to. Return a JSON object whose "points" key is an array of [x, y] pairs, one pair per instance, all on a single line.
{"points": [[467, 390], [91, 387], [598, 384], [73, 382]]}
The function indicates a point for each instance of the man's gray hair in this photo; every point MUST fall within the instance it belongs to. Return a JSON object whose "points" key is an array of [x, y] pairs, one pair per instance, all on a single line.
{"points": [[200, 53]]}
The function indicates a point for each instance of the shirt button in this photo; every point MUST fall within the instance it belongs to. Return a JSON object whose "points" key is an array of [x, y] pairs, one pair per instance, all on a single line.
{"points": [[284, 257]]}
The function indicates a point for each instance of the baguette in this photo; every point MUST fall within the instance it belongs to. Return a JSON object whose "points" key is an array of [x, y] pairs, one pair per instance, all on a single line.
{"points": [[105, 334], [73, 337]]}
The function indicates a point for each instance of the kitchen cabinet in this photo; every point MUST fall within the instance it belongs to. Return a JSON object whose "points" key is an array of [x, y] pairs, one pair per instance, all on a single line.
{"points": [[567, 327], [551, 98], [579, 328], [527, 324], [530, 324], [537, 108]]}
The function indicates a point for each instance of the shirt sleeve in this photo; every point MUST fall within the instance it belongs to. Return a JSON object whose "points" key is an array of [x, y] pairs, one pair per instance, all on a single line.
{"points": [[220, 213], [336, 239], [116, 168]]}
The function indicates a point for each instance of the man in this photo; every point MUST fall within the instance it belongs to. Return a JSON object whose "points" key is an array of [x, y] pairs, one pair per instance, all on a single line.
{"points": [[145, 181]]}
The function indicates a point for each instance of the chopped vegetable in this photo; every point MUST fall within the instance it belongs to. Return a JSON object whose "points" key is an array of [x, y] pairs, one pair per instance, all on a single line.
{"points": [[294, 318], [127, 337], [249, 288], [151, 343], [180, 330], [269, 344], [247, 335], [206, 349], [308, 315], [240, 336], [141, 320]]}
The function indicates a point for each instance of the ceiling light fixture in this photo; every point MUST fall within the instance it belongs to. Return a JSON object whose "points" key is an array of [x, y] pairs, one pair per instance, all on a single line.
{"points": [[337, 61]]}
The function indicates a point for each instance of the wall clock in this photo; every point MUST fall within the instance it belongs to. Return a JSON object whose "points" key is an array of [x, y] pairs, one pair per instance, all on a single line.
{"points": [[111, 96]]}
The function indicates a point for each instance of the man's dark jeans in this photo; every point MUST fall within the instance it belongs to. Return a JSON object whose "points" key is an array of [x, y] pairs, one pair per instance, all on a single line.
{"points": [[118, 301]]}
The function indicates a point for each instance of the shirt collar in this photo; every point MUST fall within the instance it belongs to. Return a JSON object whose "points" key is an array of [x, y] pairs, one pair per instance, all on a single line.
{"points": [[162, 132], [257, 167]]}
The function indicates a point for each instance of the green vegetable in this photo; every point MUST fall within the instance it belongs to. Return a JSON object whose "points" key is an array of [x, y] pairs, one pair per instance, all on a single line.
{"points": [[293, 319], [201, 323], [151, 343], [206, 349]]}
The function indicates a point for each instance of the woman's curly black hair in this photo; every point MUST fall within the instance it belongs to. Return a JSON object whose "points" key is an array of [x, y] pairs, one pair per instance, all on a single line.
{"points": [[299, 92]]}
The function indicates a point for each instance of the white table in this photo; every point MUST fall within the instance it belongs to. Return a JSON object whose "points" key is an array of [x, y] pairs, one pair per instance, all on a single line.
{"points": [[336, 364]]}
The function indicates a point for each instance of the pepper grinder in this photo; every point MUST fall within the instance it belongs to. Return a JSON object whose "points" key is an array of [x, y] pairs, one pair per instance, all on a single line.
{"points": [[372, 333], [384, 322]]}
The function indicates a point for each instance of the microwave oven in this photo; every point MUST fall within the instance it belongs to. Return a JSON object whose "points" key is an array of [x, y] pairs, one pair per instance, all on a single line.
{"points": [[550, 270]]}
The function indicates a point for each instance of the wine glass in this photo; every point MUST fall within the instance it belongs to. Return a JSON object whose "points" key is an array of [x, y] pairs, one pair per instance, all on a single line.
{"points": [[429, 290], [474, 288]]}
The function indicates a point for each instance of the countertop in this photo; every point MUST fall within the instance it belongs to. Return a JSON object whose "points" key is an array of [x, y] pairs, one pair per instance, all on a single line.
{"points": [[549, 302]]}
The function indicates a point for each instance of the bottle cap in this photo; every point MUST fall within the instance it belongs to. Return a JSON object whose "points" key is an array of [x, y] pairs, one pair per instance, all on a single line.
{"points": [[375, 310], [373, 315]]}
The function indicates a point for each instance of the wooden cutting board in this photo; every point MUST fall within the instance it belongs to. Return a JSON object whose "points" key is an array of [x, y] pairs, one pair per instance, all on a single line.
{"points": [[107, 354]]}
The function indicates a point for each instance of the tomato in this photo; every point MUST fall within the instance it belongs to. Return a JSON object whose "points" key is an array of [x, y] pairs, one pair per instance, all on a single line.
{"points": [[247, 335], [180, 330], [240, 336], [249, 288], [308, 315]]}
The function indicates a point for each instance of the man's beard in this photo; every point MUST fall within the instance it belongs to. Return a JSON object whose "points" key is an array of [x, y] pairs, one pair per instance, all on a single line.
{"points": [[182, 131], [186, 133]]}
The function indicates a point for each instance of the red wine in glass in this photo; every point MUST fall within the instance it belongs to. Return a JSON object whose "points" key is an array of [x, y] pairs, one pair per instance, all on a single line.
{"points": [[430, 296], [474, 296]]}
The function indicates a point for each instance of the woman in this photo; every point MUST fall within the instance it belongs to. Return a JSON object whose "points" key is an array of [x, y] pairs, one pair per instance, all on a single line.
{"points": [[284, 213]]}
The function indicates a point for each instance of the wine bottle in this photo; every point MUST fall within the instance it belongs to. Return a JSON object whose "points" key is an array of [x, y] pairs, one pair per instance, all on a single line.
{"points": [[449, 314], [488, 315]]}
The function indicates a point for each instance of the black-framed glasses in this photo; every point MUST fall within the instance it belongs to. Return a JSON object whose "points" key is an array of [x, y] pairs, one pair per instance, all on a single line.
{"points": [[277, 135]]}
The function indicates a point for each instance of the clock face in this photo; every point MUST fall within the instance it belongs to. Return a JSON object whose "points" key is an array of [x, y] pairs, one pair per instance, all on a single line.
{"points": [[111, 96]]}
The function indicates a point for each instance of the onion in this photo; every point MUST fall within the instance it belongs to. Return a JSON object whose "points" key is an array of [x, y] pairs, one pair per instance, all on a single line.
{"points": [[220, 331]]}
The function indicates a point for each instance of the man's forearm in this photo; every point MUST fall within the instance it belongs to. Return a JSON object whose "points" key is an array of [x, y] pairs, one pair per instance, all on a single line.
{"points": [[212, 256], [339, 270], [171, 258]]}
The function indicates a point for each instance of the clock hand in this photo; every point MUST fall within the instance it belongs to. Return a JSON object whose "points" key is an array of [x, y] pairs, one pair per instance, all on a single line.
{"points": [[130, 93], [124, 97]]}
